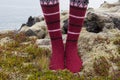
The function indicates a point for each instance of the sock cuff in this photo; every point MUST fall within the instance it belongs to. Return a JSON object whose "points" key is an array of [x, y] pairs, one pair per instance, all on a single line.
{"points": [[50, 9], [49, 2], [79, 3]]}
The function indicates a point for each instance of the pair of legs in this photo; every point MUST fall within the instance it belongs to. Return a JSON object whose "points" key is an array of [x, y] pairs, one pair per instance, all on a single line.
{"points": [[64, 57]]}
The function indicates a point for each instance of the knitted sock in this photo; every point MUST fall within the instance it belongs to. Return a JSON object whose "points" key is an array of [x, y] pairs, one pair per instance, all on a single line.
{"points": [[51, 12], [76, 19]]}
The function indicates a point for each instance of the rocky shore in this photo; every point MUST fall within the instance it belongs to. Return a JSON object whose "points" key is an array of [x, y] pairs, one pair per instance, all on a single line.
{"points": [[25, 53], [107, 16]]}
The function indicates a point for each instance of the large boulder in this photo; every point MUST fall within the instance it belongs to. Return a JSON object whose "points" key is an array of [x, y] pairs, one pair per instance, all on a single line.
{"points": [[107, 16], [36, 26], [98, 52], [38, 29], [29, 32], [32, 20]]}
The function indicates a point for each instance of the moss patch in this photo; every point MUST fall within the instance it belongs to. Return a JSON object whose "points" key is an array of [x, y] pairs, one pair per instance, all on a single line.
{"points": [[19, 61]]}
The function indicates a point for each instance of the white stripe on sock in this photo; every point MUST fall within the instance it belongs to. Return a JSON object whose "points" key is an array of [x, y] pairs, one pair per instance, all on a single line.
{"points": [[54, 30], [49, 14], [73, 33], [76, 16]]}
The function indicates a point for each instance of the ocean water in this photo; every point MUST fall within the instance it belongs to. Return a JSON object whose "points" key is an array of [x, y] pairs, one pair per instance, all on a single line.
{"points": [[13, 13]]}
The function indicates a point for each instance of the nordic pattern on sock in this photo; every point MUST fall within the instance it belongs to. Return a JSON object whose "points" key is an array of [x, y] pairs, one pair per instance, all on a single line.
{"points": [[48, 2], [51, 13], [76, 19], [79, 3]]}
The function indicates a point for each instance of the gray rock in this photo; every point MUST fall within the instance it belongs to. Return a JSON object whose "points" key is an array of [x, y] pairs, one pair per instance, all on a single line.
{"points": [[116, 22], [30, 33], [105, 17], [38, 29], [64, 22], [92, 46], [37, 26], [43, 42], [45, 47], [65, 26], [40, 34], [32, 20]]}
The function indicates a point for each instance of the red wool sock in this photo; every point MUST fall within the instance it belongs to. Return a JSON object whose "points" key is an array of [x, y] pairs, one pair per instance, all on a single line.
{"points": [[76, 19], [51, 12]]}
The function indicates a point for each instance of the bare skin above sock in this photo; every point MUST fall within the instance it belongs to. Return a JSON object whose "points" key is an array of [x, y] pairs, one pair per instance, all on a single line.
{"points": [[51, 13], [76, 19]]}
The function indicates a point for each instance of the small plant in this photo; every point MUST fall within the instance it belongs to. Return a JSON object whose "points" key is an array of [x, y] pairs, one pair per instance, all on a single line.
{"points": [[4, 76], [10, 63], [117, 42], [14, 44], [28, 69], [116, 60], [1, 49], [35, 51], [20, 37], [101, 66], [8, 34]]}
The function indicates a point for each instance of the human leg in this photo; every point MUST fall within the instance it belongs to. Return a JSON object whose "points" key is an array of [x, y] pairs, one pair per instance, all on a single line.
{"points": [[51, 12], [76, 19]]}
